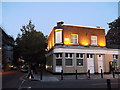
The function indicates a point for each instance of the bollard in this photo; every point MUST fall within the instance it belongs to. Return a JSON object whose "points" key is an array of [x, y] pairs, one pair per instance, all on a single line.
{"points": [[41, 74], [113, 74], [76, 74], [108, 84], [88, 73], [61, 74], [101, 73]]}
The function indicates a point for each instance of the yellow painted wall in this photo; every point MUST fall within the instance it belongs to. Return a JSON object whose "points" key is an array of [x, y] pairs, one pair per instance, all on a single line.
{"points": [[84, 35]]}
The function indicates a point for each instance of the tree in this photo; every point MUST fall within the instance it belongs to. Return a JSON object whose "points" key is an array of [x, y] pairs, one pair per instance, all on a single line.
{"points": [[113, 35], [31, 45]]}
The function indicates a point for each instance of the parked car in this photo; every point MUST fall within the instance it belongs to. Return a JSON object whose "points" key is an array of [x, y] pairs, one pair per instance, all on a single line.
{"points": [[24, 69], [13, 67]]}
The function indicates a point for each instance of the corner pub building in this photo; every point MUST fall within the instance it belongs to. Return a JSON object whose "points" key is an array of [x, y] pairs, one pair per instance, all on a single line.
{"points": [[81, 48]]}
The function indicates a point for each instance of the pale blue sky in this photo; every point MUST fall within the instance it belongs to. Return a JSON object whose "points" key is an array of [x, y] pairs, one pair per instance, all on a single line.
{"points": [[45, 14]]}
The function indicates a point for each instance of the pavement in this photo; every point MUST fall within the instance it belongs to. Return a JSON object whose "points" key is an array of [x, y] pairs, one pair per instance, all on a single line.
{"points": [[46, 77], [49, 80]]}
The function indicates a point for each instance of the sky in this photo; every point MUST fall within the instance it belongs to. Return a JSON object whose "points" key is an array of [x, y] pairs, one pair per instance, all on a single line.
{"points": [[44, 15]]}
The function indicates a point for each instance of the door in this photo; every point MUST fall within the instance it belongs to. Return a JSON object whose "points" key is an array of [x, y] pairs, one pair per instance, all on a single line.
{"points": [[100, 63], [90, 62]]}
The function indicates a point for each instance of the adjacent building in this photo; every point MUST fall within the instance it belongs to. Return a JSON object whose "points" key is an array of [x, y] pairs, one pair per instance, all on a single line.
{"points": [[0, 49], [81, 48], [7, 48]]}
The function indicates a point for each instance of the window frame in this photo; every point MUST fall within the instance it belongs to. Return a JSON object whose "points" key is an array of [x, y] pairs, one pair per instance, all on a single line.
{"points": [[83, 57], [94, 40], [58, 33], [68, 57], [115, 57], [72, 38], [59, 57]]}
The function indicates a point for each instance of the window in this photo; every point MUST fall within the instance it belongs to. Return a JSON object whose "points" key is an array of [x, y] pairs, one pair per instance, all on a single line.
{"points": [[68, 59], [58, 62], [74, 38], [93, 40], [68, 55], [58, 55], [79, 58], [99, 55], [115, 56], [115, 60], [87, 55], [91, 56], [58, 59], [68, 62], [79, 62], [58, 36], [79, 55]]}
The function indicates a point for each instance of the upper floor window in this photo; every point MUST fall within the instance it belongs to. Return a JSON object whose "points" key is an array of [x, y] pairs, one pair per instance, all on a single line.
{"points": [[74, 38], [58, 36], [93, 40]]}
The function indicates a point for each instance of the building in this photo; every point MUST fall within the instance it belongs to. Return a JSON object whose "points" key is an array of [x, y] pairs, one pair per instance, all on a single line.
{"points": [[0, 49], [80, 48], [7, 48]]}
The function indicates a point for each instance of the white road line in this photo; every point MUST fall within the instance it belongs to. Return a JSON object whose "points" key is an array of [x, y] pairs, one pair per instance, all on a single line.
{"points": [[21, 85], [22, 77]]}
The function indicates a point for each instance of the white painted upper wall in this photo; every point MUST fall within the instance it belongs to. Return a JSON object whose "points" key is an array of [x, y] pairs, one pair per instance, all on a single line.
{"points": [[95, 51]]}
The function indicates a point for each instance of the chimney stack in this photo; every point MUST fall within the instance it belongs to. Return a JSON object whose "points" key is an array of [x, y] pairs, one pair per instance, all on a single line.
{"points": [[59, 23]]}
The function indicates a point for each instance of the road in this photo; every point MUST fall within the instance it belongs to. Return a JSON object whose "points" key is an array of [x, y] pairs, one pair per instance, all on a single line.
{"points": [[12, 79], [15, 79]]}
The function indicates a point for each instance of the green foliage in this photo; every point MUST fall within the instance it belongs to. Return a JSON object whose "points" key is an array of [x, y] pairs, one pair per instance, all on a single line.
{"points": [[31, 44], [113, 35]]}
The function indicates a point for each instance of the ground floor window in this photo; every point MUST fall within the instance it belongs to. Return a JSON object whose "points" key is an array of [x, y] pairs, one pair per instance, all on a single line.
{"points": [[68, 62], [79, 59], [79, 62], [58, 62]]}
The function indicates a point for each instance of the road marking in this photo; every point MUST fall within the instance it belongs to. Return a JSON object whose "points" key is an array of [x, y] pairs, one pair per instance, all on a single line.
{"points": [[20, 87], [22, 77]]}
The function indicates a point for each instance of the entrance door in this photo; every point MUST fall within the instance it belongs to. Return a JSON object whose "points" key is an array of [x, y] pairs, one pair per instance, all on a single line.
{"points": [[90, 62], [100, 63]]}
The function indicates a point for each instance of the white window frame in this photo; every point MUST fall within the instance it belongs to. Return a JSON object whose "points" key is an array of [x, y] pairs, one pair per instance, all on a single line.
{"points": [[114, 58], [69, 58], [80, 58], [58, 36], [94, 40], [59, 57], [72, 38]]}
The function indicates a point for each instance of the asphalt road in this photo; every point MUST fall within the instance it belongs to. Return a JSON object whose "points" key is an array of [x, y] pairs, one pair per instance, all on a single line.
{"points": [[12, 79]]}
